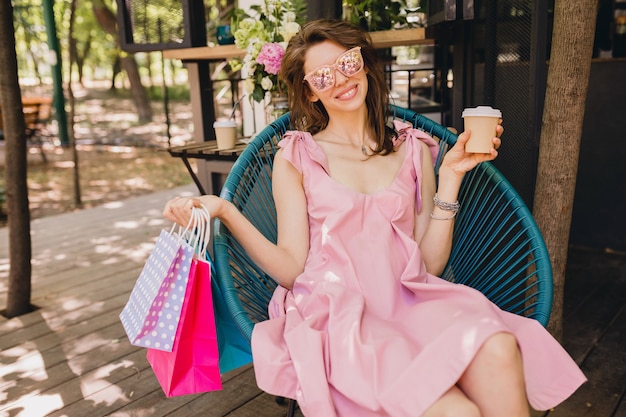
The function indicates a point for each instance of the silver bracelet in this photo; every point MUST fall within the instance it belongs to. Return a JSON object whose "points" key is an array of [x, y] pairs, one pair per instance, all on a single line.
{"points": [[446, 206], [432, 216]]}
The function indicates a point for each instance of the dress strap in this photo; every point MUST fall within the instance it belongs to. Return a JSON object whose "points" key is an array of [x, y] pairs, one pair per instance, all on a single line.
{"points": [[407, 131], [297, 145]]}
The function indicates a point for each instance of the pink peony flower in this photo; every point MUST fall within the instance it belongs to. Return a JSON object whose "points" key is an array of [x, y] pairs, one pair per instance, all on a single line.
{"points": [[270, 56]]}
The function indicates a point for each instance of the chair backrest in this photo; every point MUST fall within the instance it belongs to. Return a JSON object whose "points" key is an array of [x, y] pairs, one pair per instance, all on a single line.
{"points": [[497, 246]]}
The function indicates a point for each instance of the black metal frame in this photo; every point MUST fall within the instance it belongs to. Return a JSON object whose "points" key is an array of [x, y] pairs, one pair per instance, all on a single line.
{"points": [[194, 27]]}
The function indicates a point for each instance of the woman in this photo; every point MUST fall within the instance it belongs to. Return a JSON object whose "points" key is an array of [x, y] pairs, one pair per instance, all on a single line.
{"points": [[360, 324]]}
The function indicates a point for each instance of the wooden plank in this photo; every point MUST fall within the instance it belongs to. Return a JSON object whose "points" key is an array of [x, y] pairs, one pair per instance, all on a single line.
{"points": [[121, 218], [210, 53], [595, 332], [235, 391], [46, 321], [111, 280], [400, 37], [73, 391], [265, 404], [605, 367], [136, 387], [111, 233], [57, 312], [50, 370], [84, 321], [380, 39], [598, 282], [100, 342]]}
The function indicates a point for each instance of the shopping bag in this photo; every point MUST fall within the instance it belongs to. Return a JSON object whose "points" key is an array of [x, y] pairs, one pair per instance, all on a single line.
{"points": [[234, 348], [151, 314], [193, 364]]}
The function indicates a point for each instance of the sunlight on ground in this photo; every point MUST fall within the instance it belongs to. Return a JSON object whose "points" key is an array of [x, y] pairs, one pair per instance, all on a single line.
{"points": [[156, 222], [64, 164], [127, 225], [76, 347], [104, 394], [137, 182], [97, 388], [39, 405], [142, 252], [20, 362], [120, 149], [113, 205], [56, 321]]}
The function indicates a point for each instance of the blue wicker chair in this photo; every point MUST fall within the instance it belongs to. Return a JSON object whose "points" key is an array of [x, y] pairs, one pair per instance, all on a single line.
{"points": [[497, 247]]}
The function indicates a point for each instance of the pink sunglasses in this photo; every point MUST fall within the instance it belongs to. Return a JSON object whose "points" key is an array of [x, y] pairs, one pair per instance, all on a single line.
{"points": [[349, 63]]}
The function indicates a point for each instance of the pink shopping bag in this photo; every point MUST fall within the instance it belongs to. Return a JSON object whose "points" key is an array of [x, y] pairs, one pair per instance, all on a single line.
{"points": [[193, 365]]}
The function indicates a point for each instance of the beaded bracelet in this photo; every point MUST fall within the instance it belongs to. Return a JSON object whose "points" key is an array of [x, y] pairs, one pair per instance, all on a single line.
{"points": [[444, 205]]}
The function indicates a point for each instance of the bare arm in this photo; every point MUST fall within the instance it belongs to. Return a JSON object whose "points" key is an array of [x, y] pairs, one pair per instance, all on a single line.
{"points": [[283, 261], [435, 236]]}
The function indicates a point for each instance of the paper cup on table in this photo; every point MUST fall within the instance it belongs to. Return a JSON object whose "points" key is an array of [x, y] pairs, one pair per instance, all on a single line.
{"points": [[225, 133], [482, 121]]}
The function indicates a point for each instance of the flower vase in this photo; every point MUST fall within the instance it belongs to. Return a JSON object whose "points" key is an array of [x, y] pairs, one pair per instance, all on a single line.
{"points": [[278, 105]]}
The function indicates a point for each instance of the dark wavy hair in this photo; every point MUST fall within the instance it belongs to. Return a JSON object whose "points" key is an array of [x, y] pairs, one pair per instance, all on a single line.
{"points": [[312, 116]]}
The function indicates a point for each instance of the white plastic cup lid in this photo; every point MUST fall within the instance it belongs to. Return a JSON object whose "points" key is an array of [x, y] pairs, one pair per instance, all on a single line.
{"points": [[482, 111], [225, 123]]}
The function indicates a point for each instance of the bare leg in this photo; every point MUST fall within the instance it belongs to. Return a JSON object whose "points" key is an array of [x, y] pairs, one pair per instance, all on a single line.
{"points": [[453, 404], [494, 379]]}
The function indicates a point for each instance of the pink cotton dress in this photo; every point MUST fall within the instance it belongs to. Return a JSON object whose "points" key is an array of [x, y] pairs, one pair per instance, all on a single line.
{"points": [[366, 331]]}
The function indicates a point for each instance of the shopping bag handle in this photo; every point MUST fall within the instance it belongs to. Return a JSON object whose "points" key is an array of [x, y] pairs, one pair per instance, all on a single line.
{"points": [[202, 231], [197, 233]]}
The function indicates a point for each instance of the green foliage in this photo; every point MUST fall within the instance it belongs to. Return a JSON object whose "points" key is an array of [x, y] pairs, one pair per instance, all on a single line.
{"points": [[174, 93], [97, 50], [373, 15], [30, 36]]}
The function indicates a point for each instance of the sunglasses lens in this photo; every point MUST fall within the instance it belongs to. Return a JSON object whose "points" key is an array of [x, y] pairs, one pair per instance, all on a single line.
{"points": [[350, 63], [322, 78]]}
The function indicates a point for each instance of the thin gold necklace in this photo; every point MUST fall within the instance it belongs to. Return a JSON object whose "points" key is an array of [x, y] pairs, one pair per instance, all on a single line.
{"points": [[363, 147]]}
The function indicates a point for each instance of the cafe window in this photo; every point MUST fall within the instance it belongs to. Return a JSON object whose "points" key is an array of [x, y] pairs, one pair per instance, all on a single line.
{"points": [[157, 25]]}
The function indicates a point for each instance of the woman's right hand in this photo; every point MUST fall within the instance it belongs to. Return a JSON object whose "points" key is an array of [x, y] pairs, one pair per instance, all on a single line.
{"points": [[179, 209]]}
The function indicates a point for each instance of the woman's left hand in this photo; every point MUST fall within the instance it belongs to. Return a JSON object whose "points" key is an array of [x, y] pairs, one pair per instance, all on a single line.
{"points": [[459, 161]]}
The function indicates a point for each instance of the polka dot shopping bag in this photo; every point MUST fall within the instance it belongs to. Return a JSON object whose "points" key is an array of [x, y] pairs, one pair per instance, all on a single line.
{"points": [[152, 313]]}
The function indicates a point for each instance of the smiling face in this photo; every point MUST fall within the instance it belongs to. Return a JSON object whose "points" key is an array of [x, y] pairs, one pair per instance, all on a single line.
{"points": [[348, 92]]}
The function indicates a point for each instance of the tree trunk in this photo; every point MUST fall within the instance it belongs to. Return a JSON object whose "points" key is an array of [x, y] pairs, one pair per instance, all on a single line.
{"points": [[19, 291], [566, 92], [138, 92], [107, 20], [73, 52], [80, 60]]}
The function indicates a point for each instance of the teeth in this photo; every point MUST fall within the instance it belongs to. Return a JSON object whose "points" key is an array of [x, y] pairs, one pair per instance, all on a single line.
{"points": [[347, 93]]}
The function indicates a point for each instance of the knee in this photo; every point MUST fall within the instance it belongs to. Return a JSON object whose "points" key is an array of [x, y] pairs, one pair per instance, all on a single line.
{"points": [[453, 404], [502, 348], [465, 408]]}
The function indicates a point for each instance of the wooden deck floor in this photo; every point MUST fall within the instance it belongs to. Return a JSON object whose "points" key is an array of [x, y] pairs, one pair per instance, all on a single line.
{"points": [[71, 357]]}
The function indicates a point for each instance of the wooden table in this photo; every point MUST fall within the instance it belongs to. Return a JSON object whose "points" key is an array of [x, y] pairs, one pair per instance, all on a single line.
{"points": [[380, 39], [218, 162], [36, 112]]}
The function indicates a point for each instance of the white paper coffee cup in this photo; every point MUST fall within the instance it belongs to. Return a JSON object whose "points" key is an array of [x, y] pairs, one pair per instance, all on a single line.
{"points": [[225, 133], [482, 122]]}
